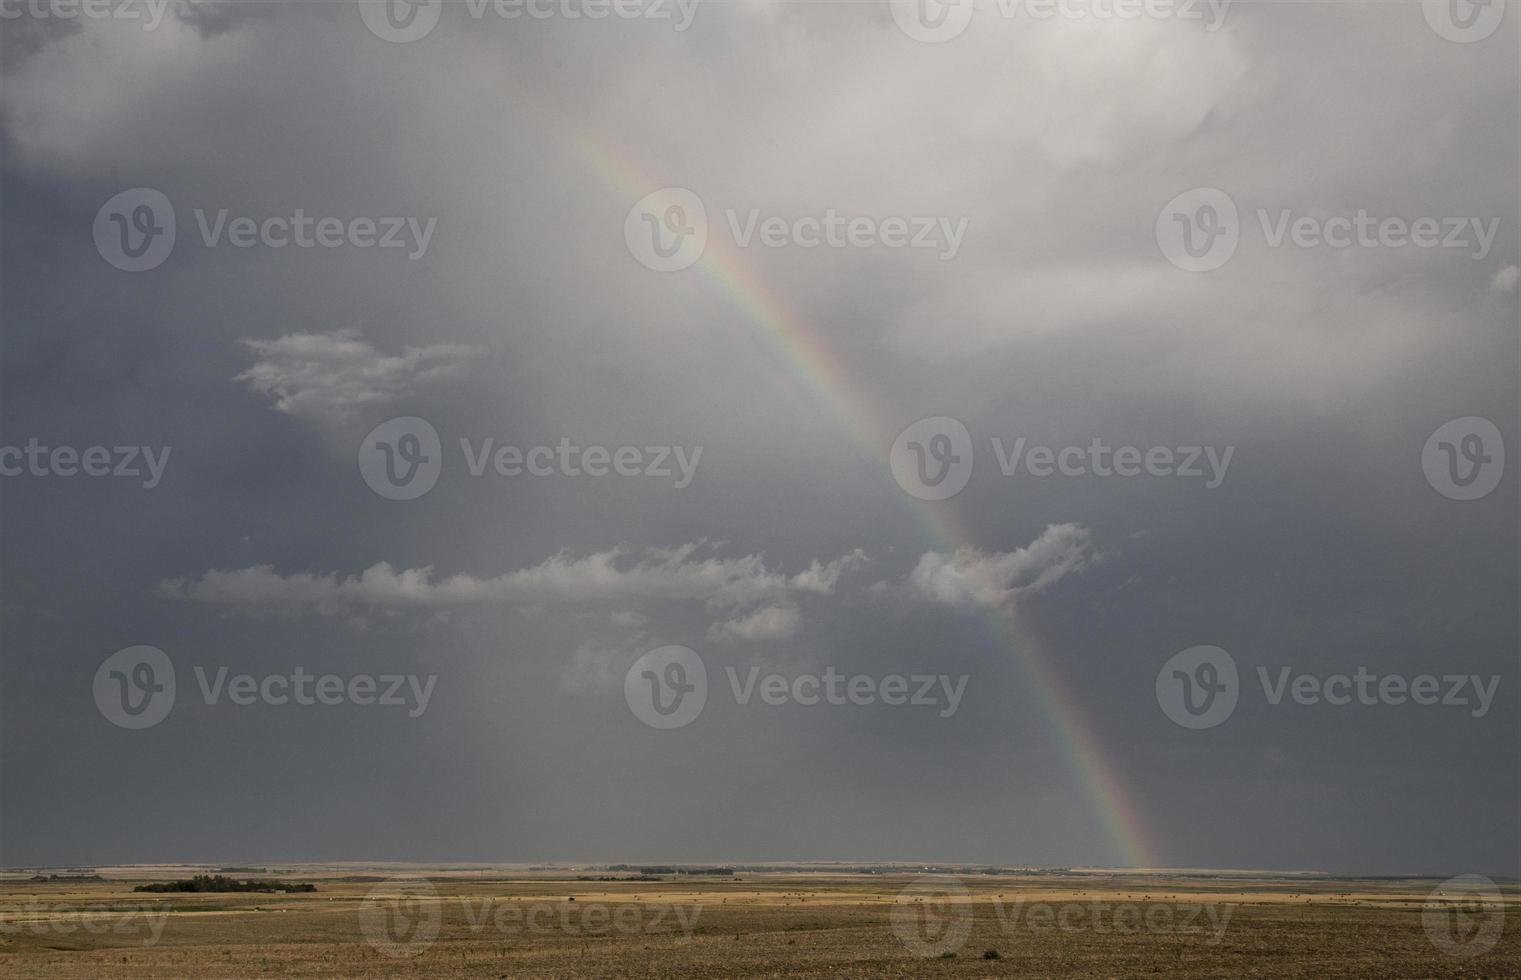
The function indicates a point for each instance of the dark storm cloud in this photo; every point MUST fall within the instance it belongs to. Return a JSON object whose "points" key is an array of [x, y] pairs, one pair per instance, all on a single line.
{"points": [[526, 322]]}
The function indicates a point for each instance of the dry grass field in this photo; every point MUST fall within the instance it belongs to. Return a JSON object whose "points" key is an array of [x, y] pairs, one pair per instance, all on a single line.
{"points": [[500, 922]]}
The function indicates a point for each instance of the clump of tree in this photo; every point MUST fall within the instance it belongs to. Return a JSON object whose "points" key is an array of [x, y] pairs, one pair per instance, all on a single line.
{"points": [[83, 877], [222, 883]]}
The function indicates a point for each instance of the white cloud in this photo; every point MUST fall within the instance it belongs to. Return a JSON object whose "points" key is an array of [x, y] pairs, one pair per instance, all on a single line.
{"points": [[327, 375], [770, 623], [997, 579], [821, 579], [1506, 279], [759, 602], [666, 574], [596, 667]]}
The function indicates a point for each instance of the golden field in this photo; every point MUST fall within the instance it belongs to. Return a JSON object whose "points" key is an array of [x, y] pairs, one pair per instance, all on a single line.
{"points": [[399, 921]]}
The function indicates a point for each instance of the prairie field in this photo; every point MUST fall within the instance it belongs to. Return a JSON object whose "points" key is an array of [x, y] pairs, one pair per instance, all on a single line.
{"points": [[497, 922]]}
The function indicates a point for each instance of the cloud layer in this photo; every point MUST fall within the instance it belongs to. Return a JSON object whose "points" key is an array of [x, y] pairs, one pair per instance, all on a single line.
{"points": [[331, 375], [764, 598]]}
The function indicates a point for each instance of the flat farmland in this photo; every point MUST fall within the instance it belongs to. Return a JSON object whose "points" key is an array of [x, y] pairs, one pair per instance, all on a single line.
{"points": [[396, 921]]}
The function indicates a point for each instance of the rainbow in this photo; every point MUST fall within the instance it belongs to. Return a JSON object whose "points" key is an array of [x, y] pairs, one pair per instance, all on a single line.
{"points": [[855, 408]]}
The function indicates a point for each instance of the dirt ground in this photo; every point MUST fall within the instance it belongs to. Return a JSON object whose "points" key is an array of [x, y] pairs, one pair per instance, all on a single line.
{"points": [[393, 921]]}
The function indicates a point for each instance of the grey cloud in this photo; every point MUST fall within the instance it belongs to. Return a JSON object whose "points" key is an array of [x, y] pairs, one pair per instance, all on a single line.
{"points": [[330, 375], [213, 17], [659, 574], [996, 580], [769, 623]]}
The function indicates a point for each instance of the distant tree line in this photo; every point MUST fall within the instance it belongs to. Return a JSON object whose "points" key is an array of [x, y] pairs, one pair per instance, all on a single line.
{"points": [[222, 883], [670, 870]]}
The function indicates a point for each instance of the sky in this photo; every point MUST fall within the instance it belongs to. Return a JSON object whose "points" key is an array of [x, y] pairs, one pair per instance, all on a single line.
{"points": [[1026, 424]]}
